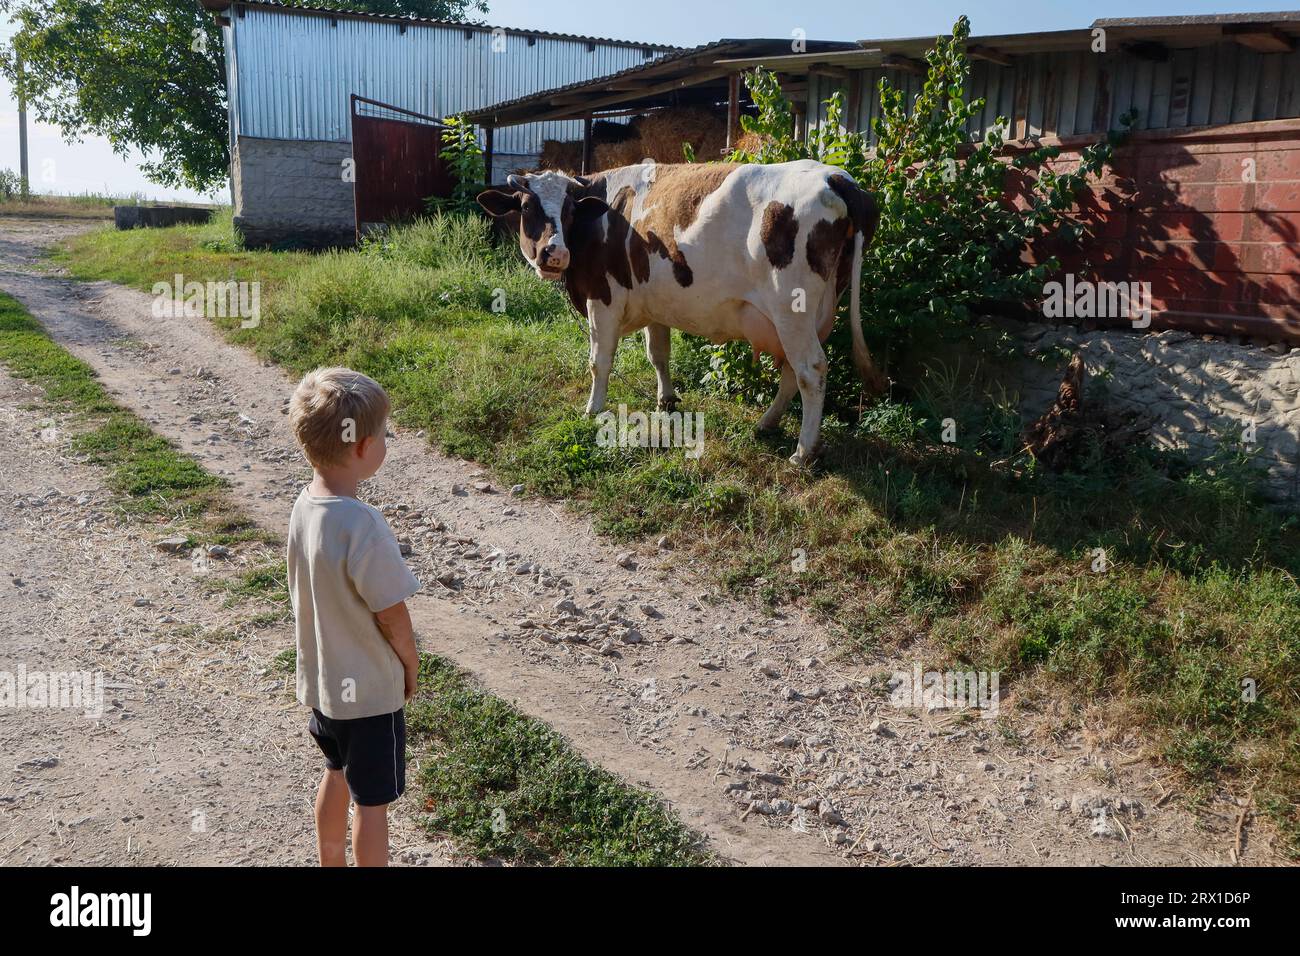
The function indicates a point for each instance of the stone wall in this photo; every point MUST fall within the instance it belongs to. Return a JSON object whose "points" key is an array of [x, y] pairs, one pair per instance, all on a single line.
{"points": [[1189, 389], [291, 193]]}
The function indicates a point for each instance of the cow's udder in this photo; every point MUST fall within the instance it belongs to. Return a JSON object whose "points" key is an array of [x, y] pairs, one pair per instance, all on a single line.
{"points": [[758, 329]]}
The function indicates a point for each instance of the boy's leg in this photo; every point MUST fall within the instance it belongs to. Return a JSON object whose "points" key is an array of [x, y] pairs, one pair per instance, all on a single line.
{"points": [[332, 799], [370, 835]]}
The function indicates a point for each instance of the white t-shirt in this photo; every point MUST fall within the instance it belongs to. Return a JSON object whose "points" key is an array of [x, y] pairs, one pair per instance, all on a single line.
{"points": [[344, 566]]}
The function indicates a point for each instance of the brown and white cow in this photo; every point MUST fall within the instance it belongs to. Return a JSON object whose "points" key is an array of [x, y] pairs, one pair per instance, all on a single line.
{"points": [[722, 250]]}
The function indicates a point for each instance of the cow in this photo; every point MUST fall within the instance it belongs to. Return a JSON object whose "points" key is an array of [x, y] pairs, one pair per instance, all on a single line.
{"points": [[727, 251]]}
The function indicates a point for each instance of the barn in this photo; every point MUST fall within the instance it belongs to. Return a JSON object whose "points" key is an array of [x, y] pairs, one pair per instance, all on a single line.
{"points": [[333, 113], [1202, 204]]}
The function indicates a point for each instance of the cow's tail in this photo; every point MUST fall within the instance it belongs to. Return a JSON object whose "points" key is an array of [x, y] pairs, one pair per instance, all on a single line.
{"points": [[867, 371]]}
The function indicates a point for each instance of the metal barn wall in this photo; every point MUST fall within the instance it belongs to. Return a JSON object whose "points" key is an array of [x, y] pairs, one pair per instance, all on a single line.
{"points": [[1081, 92], [291, 74]]}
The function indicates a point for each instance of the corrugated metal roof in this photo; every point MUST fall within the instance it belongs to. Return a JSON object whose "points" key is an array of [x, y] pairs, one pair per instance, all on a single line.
{"points": [[1202, 19], [291, 76], [219, 6]]}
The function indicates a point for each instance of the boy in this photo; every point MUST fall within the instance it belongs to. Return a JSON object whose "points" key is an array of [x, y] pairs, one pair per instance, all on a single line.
{"points": [[348, 583]]}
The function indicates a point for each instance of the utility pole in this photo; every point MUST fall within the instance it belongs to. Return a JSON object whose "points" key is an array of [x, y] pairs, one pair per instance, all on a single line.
{"points": [[22, 126]]}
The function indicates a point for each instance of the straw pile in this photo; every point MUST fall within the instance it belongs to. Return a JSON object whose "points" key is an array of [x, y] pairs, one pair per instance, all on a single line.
{"points": [[658, 136]]}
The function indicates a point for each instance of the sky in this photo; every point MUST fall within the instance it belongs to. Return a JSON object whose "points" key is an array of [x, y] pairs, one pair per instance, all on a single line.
{"points": [[92, 166]]}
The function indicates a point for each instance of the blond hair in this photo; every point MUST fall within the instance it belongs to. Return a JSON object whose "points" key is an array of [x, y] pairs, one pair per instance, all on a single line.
{"points": [[334, 408]]}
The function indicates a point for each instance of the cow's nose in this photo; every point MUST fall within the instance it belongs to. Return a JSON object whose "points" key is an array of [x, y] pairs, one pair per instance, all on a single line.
{"points": [[555, 257]]}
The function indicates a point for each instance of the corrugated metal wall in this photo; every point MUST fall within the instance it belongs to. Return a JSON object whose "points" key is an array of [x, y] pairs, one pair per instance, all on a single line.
{"points": [[1079, 92], [292, 73]]}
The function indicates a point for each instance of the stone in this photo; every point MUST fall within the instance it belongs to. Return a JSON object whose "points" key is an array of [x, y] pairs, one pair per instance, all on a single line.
{"points": [[173, 544], [827, 813]]}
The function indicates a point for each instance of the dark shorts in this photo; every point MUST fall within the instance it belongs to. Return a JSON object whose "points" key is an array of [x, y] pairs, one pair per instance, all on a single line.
{"points": [[371, 752]]}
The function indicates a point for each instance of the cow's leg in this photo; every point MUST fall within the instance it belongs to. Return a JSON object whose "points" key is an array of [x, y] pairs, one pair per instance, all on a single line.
{"points": [[604, 343], [804, 354], [771, 419], [658, 349]]}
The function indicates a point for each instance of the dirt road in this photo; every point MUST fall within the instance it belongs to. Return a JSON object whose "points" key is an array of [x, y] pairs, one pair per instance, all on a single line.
{"points": [[749, 725]]}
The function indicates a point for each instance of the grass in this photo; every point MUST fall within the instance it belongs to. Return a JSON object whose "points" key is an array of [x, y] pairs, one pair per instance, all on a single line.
{"points": [[904, 542], [154, 478], [86, 205], [510, 787], [202, 253], [504, 785], [479, 753]]}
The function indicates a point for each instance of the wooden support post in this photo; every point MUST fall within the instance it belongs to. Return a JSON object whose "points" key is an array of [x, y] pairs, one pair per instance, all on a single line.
{"points": [[855, 101], [487, 155], [733, 110], [586, 144]]}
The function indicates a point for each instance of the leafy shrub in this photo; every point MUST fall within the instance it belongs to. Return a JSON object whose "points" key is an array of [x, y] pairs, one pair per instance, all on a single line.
{"points": [[949, 241], [12, 184], [464, 160]]}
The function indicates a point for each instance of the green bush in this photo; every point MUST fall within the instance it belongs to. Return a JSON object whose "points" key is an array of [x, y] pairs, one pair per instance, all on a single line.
{"points": [[12, 184], [948, 243], [464, 160]]}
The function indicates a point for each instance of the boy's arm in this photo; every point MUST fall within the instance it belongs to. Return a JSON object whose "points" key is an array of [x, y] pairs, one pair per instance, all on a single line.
{"points": [[395, 624]]}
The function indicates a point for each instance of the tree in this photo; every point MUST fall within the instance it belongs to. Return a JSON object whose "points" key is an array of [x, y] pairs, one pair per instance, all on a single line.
{"points": [[148, 74]]}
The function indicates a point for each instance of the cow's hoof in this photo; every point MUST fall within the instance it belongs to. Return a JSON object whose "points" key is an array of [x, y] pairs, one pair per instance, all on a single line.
{"points": [[804, 459], [668, 404], [766, 431]]}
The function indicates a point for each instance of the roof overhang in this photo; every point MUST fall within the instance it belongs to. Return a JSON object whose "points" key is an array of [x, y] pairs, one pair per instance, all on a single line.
{"points": [[690, 76], [702, 74]]}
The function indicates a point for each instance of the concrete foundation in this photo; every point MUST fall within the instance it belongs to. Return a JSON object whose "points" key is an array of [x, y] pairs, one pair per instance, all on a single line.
{"points": [[293, 193], [157, 217]]}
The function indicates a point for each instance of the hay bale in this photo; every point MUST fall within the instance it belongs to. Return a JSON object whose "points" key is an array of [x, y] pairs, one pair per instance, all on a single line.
{"points": [[750, 142], [658, 136], [614, 155], [566, 157], [663, 132]]}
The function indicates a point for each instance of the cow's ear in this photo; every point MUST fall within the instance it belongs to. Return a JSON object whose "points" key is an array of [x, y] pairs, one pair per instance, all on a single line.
{"points": [[498, 203], [589, 208]]}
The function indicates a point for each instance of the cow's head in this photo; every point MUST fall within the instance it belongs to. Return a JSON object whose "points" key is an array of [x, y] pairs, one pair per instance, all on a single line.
{"points": [[548, 205]]}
